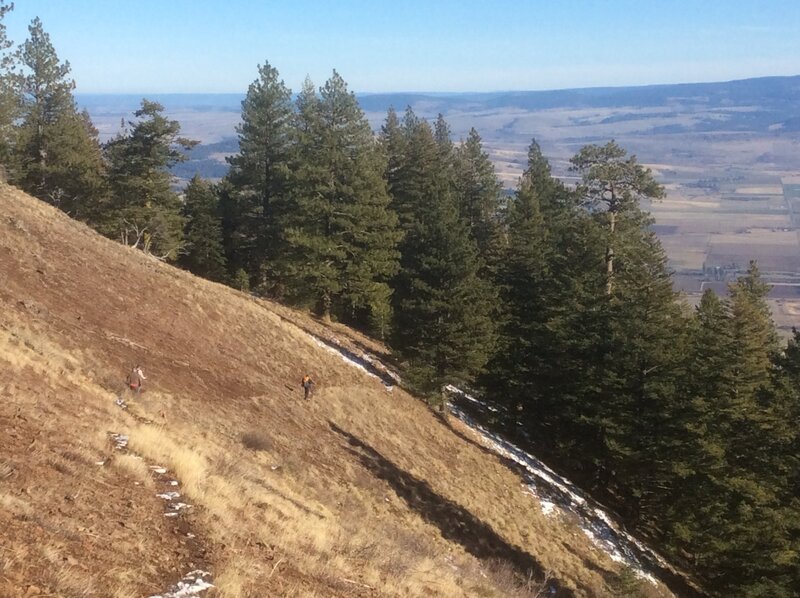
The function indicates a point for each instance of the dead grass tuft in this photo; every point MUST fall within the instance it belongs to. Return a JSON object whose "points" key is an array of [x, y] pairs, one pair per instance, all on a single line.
{"points": [[135, 467], [15, 505], [6, 470]]}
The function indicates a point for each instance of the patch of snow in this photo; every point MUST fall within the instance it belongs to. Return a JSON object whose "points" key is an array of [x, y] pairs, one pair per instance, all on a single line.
{"points": [[548, 508], [120, 441], [169, 495], [190, 586], [375, 362], [158, 469], [357, 361], [553, 490], [173, 482]]}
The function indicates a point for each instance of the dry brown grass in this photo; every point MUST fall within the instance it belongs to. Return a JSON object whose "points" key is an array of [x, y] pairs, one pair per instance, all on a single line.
{"points": [[358, 492]]}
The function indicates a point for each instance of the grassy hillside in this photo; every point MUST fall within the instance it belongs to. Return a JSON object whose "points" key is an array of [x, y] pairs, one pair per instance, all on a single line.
{"points": [[360, 492]]}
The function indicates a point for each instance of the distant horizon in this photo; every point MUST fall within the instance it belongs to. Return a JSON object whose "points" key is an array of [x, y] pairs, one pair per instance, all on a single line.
{"points": [[442, 93]]}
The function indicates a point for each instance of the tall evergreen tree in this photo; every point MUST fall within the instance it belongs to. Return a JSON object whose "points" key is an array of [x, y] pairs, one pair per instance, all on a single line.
{"points": [[259, 177], [443, 308], [392, 142], [613, 180], [203, 251], [444, 327], [479, 195], [144, 210], [750, 552], [641, 366], [343, 235], [9, 92], [545, 281], [57, 155]]}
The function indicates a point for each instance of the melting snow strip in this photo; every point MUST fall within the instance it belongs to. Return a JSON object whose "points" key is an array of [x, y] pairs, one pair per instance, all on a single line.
{"points": [[553, 490], [190, 586], [359, 361]]}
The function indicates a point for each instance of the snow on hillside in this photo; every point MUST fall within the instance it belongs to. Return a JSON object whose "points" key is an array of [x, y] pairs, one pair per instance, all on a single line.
{"points": [[556, 494]]}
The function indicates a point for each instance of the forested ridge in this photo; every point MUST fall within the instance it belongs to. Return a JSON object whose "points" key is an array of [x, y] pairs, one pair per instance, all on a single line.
{"points": [[555, 304]]}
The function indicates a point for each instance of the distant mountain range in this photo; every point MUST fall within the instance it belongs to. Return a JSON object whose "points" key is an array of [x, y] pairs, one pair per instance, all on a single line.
{"points": [[648, 119], [777, 99]]}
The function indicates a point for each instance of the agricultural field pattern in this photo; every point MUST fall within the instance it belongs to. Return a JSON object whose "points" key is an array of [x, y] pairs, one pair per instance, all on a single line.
{"points": [[728, 155]]}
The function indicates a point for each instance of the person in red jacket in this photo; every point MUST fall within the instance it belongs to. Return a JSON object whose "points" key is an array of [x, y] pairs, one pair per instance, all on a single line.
{"points": [[135, 379]]}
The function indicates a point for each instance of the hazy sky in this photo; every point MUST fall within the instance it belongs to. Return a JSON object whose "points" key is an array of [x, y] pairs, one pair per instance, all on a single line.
{"points": [[149, 46]]}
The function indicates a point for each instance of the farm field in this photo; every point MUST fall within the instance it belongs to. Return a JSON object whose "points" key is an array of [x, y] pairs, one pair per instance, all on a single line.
{"points": [[712, 233]]}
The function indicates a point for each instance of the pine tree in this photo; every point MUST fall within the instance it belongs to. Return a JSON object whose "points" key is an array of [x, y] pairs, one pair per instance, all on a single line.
{"points": [[144, 211], [57, 156], [310, 262], [203, 252], [733, 506], [545, 365], [392, 143], [642, 363], [260, 176], [343, 235], [443, 319], [525, 280], [10, 99], [479, 195], [615, 181], [443, 325]]}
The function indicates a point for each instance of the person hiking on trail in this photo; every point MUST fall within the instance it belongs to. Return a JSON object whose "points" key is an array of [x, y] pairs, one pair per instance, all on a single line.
{"points": [[308, 386], [135, 379]]}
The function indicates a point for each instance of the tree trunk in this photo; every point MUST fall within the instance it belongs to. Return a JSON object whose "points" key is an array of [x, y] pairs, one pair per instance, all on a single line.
{"points": [[610, 253], [325, 305]]}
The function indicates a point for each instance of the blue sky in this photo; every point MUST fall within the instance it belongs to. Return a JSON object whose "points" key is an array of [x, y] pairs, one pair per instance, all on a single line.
{"points": [[166, 46]]}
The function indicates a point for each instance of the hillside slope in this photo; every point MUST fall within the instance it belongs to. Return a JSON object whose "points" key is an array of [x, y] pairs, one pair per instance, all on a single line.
{"points": [[362, 491]]}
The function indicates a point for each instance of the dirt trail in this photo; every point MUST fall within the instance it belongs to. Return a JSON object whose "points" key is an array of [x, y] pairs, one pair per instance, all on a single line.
{"points": [[193, 551]]}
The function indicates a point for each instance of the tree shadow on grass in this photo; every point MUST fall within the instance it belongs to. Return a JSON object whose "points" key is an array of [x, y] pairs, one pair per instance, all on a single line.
{"points": [[444, 420], [454, 521]]}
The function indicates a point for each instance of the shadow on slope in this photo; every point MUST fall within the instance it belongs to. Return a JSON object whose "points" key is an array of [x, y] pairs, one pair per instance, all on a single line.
{"points": [[454, 521]]}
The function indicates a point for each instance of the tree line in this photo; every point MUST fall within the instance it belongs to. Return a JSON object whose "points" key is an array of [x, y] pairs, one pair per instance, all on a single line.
{"points": [[555, 303]]}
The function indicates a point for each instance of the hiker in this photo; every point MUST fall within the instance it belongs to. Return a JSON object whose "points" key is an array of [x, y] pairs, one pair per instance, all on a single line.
{"points": [[135, 379], [308, 386]]}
